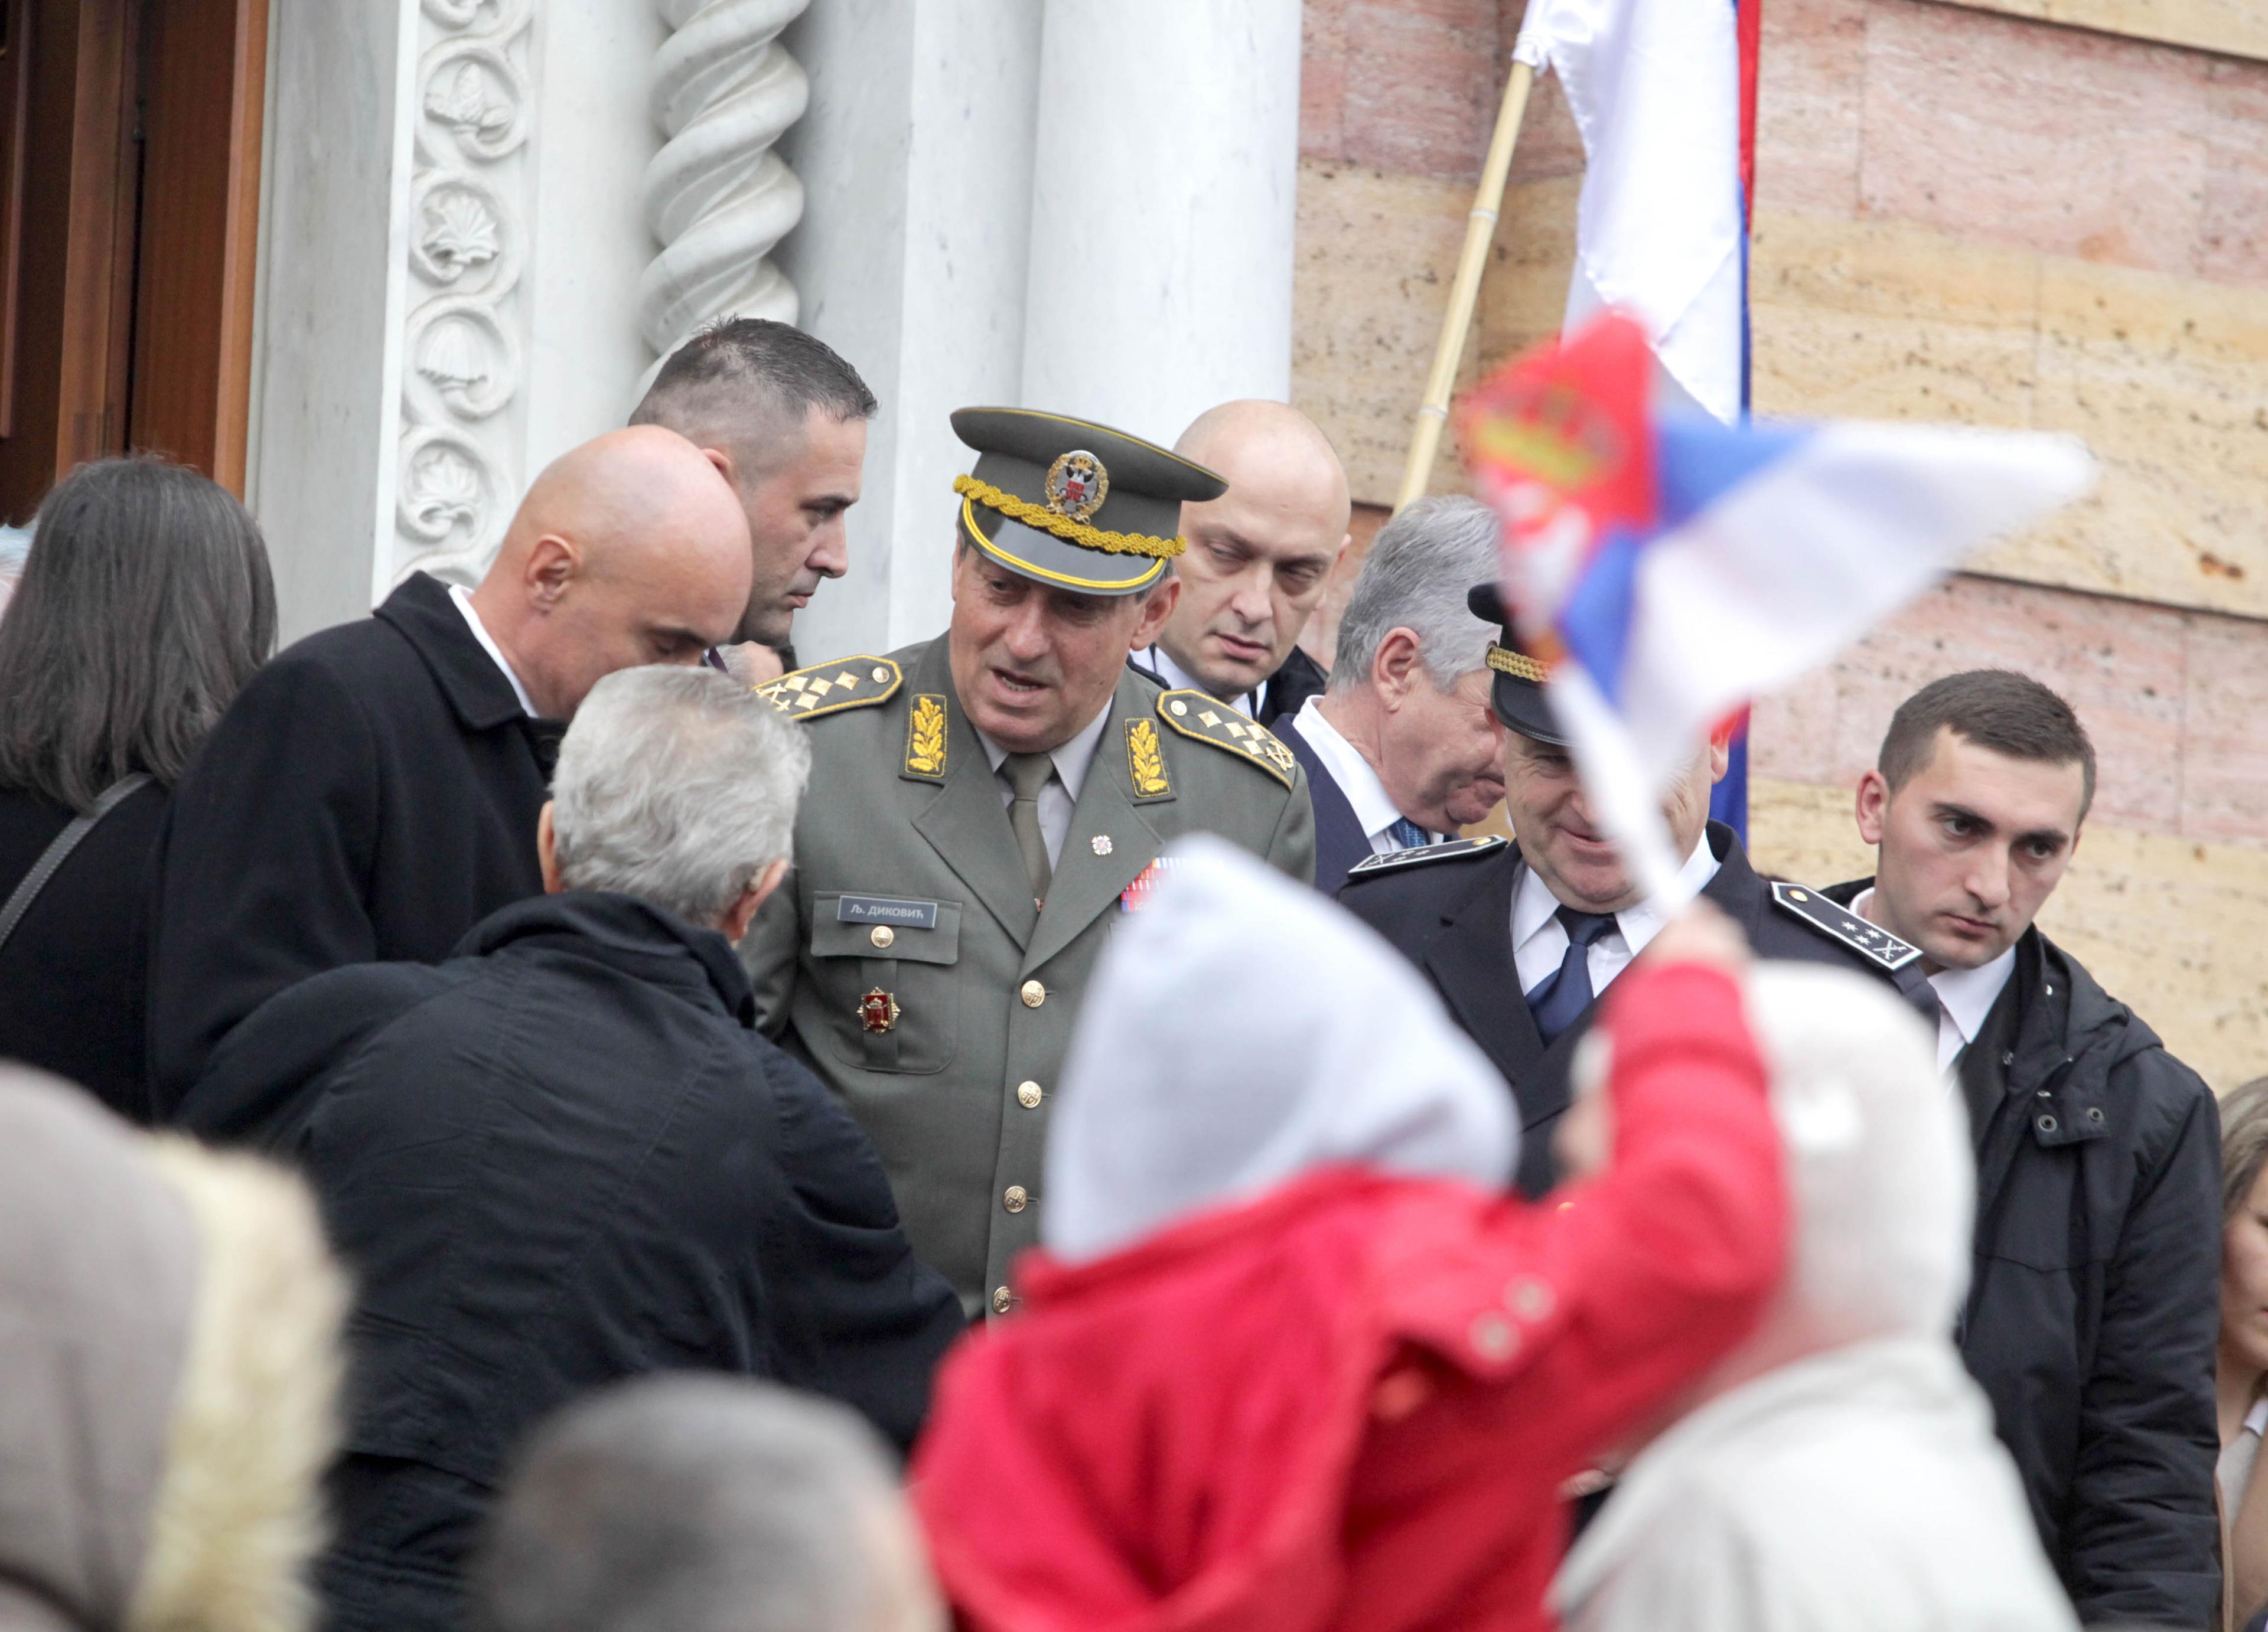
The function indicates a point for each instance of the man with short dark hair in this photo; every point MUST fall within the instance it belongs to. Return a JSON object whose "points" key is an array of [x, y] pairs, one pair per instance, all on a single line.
{"points": [[1259, 558], [2093, 1312], [565, 1155], [785, 418]]}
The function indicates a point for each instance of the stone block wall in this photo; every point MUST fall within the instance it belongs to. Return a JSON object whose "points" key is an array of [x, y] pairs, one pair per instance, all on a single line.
{"points": [[2043, 213]]}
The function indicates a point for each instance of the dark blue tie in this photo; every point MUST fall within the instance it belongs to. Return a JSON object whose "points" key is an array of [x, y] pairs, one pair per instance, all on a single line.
{"points": [[1408, 836], [1559, 999]]}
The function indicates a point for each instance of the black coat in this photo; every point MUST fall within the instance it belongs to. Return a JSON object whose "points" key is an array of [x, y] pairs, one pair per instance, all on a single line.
{"points": [[562, 1157], [1452, 918], [74, 976], [2094, 1303], [371, 795], [1340, 842]]}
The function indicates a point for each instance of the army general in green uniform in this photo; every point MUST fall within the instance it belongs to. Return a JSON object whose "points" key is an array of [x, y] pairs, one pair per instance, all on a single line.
{"points": [[982, 808]]}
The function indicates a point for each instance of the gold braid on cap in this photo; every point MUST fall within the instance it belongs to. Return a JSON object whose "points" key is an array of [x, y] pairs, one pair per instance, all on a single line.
{"points": [[1063, 526], [1519, 664]]}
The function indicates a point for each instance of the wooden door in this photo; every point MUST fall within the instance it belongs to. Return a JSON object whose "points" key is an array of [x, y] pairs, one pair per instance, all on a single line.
{"points": [[130, 185]]}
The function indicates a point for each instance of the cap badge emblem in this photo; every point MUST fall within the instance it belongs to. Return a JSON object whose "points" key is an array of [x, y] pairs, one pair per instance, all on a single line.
{"points": [[1077, 485], [878, 1011]]}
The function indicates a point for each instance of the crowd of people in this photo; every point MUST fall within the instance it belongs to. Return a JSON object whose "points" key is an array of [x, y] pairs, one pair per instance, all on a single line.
{"points": [[538, 1114]]}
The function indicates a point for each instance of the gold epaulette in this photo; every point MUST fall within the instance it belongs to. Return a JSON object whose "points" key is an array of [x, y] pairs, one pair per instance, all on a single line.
{"points": [[831, 687], [1194, 714]]}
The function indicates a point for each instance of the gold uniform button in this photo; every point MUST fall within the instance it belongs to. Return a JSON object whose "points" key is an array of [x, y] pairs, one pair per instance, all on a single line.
{"points": [[882, 674], [1028, 1095], [882, 935], [1001, 1299], [1014, 1198], [1180, 709], [1034, 994]]}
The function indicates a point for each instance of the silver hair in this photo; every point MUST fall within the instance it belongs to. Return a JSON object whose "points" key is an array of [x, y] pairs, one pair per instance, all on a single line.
{"points": [[678, 786], [1419, 566], [684, 1502]]}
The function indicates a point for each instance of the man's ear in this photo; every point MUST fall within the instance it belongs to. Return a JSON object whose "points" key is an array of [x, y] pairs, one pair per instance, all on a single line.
{"points": [[1164, 596], [1721, 753], [1873, 807], [547, 855], [742, 913], [723, 461], [1394, 669], [553, 563]]}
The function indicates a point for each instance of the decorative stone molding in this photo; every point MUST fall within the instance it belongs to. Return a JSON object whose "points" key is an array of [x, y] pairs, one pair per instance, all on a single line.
{"points": [[716, 197], [456, 472]]}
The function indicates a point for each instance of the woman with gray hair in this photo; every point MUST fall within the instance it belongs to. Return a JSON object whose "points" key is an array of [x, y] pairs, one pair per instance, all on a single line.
{"points": [[2240, 1371], [145, 606], [565, 1155]]}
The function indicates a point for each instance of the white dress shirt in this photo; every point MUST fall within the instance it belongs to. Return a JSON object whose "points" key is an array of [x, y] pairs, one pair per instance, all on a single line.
{"points": [[1964, 997], [1157, 659], [1060, 797], [1374, 806], [464, 600], [1539, 940]]}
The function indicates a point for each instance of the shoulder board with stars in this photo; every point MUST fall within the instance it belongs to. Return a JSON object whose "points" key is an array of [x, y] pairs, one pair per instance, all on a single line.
{"points": [[1877, 945], [831, 687], [1209, 720], [1423, 855]]}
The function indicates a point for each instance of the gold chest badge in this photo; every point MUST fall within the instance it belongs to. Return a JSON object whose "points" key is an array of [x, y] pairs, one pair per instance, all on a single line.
{"points": [[878, 1011]]}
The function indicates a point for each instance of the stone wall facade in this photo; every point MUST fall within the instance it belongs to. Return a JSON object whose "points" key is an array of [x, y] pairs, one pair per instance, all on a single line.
{"points": [[2040, 213]]}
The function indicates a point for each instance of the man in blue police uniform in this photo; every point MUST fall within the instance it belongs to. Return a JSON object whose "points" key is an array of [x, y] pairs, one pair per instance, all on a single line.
{"points": [[1521, 939]]}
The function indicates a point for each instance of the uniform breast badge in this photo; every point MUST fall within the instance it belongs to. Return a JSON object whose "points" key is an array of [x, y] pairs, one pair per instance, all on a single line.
{"points": [[878, 1011], [1077, 485]]}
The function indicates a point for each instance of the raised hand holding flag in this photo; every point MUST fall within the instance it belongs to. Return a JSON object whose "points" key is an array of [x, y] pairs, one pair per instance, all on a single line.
{"points": [[1667, 569]]}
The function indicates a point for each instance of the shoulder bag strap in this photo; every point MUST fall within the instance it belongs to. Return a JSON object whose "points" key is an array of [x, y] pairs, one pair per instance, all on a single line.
{"points": [[59, 850]]}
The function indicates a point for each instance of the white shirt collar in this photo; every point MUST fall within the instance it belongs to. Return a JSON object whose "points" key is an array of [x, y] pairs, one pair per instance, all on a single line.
{"points": [[1533, 907], [1178, 678], [464, 600], [1964, 997], [1374, 806], [1072, 759]]}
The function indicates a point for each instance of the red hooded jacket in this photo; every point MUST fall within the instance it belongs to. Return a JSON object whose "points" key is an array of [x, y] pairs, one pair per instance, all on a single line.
{"points": [[1350, 1404]]}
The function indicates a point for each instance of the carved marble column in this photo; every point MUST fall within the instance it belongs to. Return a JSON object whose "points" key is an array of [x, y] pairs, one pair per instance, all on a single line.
{"points": [[716, 197], [458, 467]]}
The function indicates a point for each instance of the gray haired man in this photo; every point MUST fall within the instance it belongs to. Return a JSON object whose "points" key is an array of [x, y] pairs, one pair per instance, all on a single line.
{"points": [[1400, 749], [703, 1504], [565, 1155]]}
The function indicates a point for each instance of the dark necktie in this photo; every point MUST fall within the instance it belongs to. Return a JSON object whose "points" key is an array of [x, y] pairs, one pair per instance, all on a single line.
{"points": [[1028, 775], [1408, 836], [543, 737], [1559, 999]]}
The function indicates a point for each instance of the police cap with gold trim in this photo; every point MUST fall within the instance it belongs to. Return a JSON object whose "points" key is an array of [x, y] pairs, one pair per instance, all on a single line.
{"points": [[1073, 504], [1516, 679]]}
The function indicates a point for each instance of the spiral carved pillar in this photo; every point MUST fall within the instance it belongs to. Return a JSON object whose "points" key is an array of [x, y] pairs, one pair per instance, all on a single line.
{"points": [[716, 197]]}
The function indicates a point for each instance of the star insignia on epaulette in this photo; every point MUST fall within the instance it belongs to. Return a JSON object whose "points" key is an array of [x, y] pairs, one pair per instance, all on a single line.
{"points": [[1423, 855], [1871, 942], [1193, 714], [831, 687]]}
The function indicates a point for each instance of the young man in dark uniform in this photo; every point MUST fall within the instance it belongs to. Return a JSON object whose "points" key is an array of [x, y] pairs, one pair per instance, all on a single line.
{"points": [[1522, 939]]}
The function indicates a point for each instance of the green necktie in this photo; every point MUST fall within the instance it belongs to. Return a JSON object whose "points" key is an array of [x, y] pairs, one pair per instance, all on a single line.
{"points": [[1027, 774]]}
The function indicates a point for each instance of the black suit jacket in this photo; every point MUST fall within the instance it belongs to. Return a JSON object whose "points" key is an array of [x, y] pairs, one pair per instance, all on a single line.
{"points": [[371, 795], [1340, 842], [1453, 919], [1283, 694]]}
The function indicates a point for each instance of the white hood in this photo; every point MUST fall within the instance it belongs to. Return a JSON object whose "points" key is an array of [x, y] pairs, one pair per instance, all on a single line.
{"points": [[1240, 1030]]}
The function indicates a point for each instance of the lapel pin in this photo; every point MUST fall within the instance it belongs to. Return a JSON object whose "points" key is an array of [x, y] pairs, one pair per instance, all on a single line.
{"points": [[1101, 844]]}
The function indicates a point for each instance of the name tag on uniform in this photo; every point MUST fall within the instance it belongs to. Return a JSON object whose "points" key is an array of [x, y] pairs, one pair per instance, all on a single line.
{"points": [[886, 909]]}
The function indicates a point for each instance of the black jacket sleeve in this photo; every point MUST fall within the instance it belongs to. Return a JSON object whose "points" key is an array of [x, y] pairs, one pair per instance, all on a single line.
{"points": [[262, 870], [2143, 1537], [858, 1317]]}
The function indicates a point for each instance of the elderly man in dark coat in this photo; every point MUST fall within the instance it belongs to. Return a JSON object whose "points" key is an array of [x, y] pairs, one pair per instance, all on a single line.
{"points": [[565, 1155], [372, 793]]}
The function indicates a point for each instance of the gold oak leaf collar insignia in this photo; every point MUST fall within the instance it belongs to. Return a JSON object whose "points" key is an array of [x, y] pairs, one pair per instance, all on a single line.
{"points": [[1146, 762], [925, 738], [1194, 714], [831, 687]]}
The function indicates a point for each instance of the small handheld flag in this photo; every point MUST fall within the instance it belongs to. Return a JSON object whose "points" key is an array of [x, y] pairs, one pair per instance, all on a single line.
{"points": [[1667, 569]]}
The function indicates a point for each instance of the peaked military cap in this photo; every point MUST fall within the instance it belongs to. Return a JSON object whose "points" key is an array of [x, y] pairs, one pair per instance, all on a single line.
{"points": [[1072, 503], [1516, 679]]}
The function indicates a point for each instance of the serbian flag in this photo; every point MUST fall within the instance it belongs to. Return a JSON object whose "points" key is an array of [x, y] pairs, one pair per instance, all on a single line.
{"points": [[1664, 94], [1666, 568]]}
